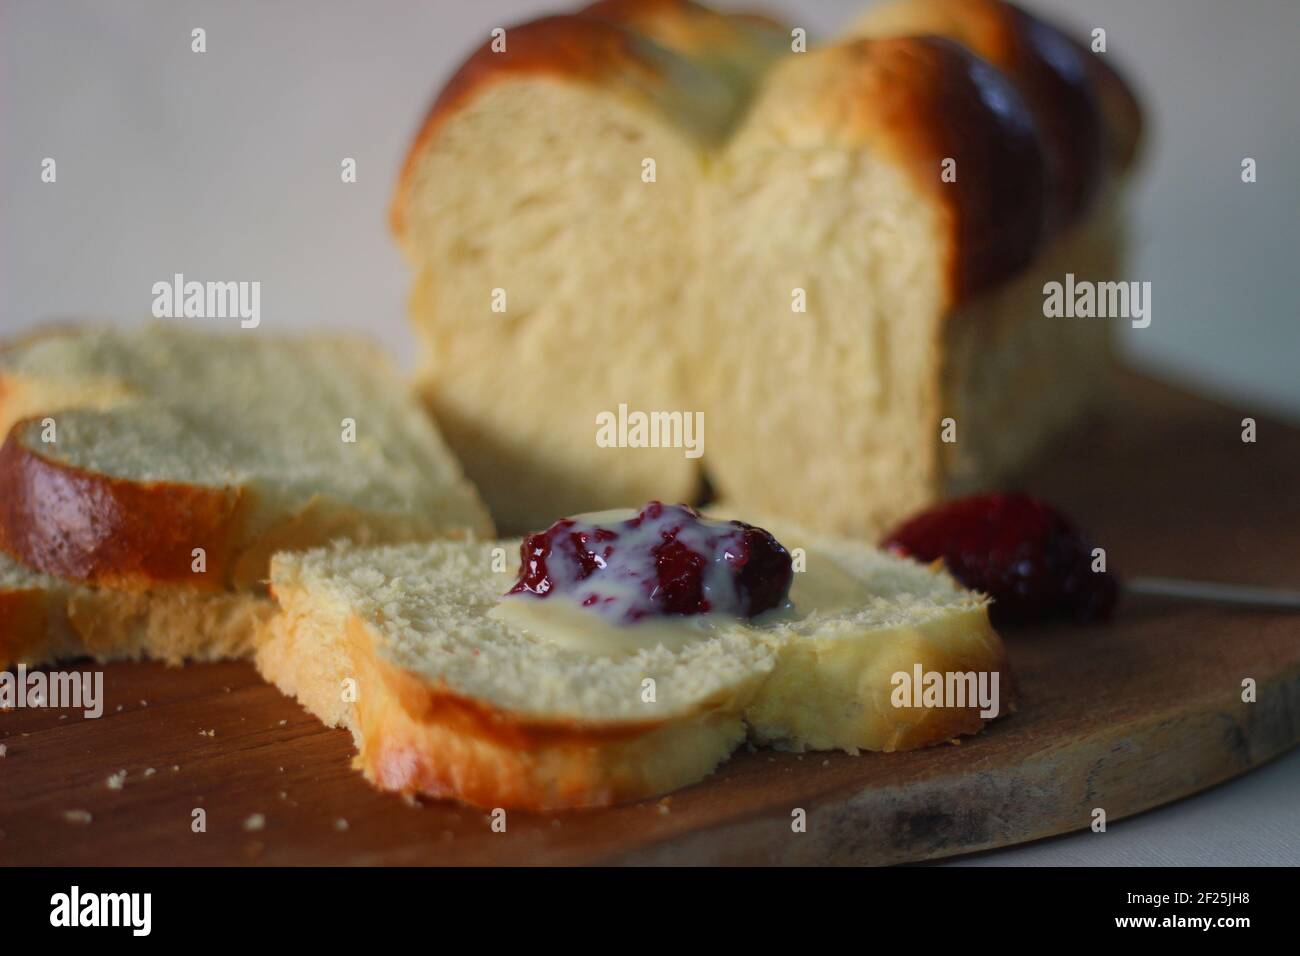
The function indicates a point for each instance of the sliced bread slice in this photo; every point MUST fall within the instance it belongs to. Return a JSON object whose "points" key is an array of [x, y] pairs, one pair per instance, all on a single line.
{"points": [[163, 455], [400, 645], [396, 644], [868, 617], [33, 616], [44, 619]]}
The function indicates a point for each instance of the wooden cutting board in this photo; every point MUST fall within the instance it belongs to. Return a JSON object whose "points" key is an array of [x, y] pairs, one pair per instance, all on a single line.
{"points": [[1121, 717]]}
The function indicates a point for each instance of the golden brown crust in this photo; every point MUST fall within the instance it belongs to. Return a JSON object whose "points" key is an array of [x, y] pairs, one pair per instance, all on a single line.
{"points": [[939, 725], [1030, 165], [440, 762], [571, 47], [86, 526], [999, 200], [414, 736], [1085, 112], [431, 741], [922, 100], [417, 738], [449, 746], [436, 704], [27, 619], [1052, 75]]}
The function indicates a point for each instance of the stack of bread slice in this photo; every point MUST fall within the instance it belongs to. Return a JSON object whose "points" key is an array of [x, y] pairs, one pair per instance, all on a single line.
{"points": [[153, 480], [148, 475], [398, 644], [836, 255]]}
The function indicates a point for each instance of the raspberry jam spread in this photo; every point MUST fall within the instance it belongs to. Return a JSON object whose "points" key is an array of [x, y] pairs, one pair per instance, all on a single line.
{"points": [[663, 561], [1018, 550]]}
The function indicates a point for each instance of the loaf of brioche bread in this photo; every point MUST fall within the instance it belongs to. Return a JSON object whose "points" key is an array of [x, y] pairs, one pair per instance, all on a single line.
{"points": [[827, 253], [399, 645], [148, 475]]}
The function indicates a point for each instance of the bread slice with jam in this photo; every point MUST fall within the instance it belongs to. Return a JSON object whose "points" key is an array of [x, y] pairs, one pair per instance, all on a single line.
{"points": [[407, 647]]}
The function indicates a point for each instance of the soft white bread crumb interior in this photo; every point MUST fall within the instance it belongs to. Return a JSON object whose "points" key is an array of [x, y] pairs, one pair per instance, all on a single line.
{"points": [[577, 194], [824, 414], [1000, 348], [451, 701], [517, 393]]}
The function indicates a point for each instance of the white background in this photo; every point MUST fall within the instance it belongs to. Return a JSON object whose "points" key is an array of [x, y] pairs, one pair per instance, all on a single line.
{"points": [[225, 166]]}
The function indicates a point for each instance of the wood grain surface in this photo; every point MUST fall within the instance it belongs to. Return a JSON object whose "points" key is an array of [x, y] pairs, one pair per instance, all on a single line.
{"points": [[1123, 717]]}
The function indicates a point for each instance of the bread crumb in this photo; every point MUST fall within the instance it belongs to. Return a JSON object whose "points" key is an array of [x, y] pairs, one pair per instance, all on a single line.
{"points": [[340, 824], [255, 821], [119, 708], [63, 716], [664, 809], [175, 767], [115, 780], [79, 817], [283, 722], [3, 750], [956, 741], [144, 703], [149, 771]]}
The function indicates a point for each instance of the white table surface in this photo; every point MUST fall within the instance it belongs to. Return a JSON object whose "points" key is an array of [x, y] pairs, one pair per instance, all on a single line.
{"points": [[225, 165], [1252, 820]]}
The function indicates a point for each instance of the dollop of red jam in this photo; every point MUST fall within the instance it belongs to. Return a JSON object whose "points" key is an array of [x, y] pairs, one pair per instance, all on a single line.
{"points": [[1020, 551], [665, 560]]}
